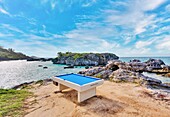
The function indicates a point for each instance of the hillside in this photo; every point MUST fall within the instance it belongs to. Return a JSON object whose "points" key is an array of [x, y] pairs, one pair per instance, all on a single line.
{"points": [[83, 59], [9, 54]]}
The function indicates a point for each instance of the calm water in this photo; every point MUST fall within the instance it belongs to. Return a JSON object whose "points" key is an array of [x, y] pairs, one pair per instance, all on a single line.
{"points": [[16, 72]]}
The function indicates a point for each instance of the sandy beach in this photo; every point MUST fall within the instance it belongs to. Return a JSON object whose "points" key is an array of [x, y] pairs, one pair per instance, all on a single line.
{"points": [[113, 99]]}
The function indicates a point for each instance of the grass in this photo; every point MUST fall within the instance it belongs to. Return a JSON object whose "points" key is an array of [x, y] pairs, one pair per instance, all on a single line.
{"points": [[98, 76], [12, 101]]}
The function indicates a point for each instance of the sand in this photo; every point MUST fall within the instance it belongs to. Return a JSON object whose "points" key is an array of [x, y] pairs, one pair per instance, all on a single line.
{"points": [[112, 100]]}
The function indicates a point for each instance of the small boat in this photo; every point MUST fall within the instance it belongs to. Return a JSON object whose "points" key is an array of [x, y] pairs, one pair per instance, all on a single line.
{"points": [[40, 65], [45, 67], [68, 67]]}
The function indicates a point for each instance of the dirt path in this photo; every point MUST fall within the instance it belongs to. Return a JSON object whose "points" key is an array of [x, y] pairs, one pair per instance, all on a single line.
{"points": [[113, 99]]}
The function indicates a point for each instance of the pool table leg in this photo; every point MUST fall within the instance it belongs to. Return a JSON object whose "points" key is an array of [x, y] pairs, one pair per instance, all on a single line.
{"points": [[86, 94], [62, 87]]}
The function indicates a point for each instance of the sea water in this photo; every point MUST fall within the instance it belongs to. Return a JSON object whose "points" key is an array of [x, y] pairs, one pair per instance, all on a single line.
{"points": [[16, 72]]}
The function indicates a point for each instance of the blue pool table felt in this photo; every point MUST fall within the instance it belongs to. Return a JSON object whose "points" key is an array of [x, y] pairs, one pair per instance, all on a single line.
{"points": [[77, 79]]}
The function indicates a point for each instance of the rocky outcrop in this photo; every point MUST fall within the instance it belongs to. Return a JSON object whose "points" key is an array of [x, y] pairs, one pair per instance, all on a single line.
{"points": [[135, 60], [153, 64], [131, 66], [84, 59], [134, 77], [103, 74], [119, 71], [92, 71], [122, 75]]}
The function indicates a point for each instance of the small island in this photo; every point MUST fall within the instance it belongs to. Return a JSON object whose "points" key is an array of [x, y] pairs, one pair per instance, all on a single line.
{"points": [[84, 59]]}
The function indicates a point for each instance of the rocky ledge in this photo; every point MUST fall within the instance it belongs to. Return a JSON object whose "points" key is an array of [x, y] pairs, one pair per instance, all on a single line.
{"points": [[84, 59], [119, 71]]}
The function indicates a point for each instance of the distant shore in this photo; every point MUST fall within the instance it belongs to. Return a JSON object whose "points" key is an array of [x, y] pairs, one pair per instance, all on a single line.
{"points": [[12, 60]]}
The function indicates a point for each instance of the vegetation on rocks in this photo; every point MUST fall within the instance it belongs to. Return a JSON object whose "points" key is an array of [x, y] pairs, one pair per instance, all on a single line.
{"points": [[84, 59], [10, 54], [12, 101]]}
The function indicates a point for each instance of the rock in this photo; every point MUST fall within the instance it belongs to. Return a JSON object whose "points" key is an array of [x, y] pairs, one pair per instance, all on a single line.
{"points": [[137, 66], [135, 60], [153, 64], [22, 85], [84, 59], [167, 75], [122, 75], [92, 71], [86, 67], [103, 74], [119, 71], [165, 68], [132, 66], [112, 66], [69, 61], [151, 81]]}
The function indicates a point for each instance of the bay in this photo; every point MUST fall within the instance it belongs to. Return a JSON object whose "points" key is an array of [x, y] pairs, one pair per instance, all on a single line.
{"points": [[16, 72]]}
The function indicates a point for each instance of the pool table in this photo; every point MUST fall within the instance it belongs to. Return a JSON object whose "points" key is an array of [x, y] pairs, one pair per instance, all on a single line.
{"points": [[84, 85]]}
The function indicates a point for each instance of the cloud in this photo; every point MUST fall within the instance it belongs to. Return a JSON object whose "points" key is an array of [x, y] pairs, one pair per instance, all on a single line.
{"points": [[5, 35], [53, 4], [164, 44], [131, 27], [148, 4], [89, 3], [134, 17], [32, 48], [4, 12], [167, 8], [9, 27], [143, 44]]}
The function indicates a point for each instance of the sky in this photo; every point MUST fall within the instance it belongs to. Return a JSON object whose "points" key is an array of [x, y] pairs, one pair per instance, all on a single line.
{"points": [[128, 28]]}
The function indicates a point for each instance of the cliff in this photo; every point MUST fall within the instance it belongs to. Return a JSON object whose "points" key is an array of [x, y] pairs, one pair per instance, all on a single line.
{"points": [[83, 59], [9, 54]]}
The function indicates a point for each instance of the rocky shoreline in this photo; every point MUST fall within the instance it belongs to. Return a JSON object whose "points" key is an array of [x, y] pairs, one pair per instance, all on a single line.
{"points": [[119, 71]]}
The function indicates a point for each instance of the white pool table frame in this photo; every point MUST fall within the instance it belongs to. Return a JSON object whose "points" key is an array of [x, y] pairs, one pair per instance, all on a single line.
{"points": [[84, 91]]}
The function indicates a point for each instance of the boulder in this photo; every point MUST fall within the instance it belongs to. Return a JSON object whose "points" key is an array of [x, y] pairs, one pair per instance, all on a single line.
{"points": [[153, 64], [167, 75], [112, 66], [92, 71], [135, 60], [122, 75], [103, 74]]}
